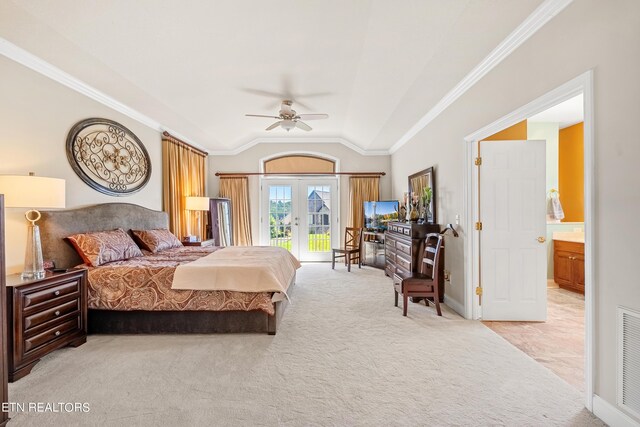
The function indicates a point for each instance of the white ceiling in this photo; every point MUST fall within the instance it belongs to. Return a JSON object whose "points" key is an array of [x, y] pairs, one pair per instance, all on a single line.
{"points": [[566, 114], [376, 67]]}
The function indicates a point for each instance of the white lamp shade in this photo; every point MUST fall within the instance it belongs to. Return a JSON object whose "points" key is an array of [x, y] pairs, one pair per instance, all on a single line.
{"points": [[37, 192], [197, 203]]}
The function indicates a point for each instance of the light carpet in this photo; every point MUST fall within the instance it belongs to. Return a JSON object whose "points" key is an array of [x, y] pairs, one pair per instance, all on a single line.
{"points": [[344, 355]]}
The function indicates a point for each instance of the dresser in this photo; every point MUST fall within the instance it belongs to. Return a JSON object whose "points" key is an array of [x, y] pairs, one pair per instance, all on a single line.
{"points": [[44, 315], [403, 246]]}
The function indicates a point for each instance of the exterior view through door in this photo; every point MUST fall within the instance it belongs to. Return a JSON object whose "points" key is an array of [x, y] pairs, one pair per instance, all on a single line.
{"points": [[301, 215], [513, 262]]}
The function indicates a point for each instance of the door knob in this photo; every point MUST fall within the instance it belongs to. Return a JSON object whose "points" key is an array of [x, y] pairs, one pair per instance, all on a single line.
{"points": [[541, 239]]}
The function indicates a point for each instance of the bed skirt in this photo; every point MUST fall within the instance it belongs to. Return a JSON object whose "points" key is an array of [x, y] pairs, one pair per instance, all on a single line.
{"points": [[186, 322]]}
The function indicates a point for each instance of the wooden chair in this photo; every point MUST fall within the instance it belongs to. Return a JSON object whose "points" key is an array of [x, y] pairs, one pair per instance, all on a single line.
{"points": [[351, 249], [424, 282]]}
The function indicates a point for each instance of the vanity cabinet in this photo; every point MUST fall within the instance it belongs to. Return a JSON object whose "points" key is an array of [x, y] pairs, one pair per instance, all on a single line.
{"points": [[568, 265], [403, 244]]}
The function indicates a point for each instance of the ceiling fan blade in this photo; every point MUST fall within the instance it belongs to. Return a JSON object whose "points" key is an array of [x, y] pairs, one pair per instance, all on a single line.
{"points": [[313, 116], [273, 126], [261, 115], [261, 92], [303, 126]]}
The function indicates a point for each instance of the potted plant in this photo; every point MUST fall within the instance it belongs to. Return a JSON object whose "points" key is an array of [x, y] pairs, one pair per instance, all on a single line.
{"points": [[427, 194]]}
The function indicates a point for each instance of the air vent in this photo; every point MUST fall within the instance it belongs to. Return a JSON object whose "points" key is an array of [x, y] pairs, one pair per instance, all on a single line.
{"points": [[629, 361]]}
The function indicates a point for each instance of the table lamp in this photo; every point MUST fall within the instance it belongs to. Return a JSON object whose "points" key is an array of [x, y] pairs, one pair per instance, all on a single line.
{"points": [[196, 203], [32, 192]]}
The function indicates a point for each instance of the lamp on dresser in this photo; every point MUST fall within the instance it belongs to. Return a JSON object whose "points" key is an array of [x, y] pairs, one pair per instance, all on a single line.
{"points": [[197, 203], [33, 192]]}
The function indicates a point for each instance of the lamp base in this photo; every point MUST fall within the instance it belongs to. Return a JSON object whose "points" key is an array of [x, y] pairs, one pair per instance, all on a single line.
{"points": [[32, 275], [33, 265]]}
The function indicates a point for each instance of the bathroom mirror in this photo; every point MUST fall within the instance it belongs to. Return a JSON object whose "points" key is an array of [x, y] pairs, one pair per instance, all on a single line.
{"points": [[420, 181]]}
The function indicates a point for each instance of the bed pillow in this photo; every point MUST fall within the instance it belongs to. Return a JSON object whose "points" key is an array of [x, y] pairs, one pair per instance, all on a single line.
{"points": [[105, 246], [157, 240]]}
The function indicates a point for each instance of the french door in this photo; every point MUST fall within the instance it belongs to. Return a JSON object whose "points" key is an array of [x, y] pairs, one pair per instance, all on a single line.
{"points": [[301, 215]]}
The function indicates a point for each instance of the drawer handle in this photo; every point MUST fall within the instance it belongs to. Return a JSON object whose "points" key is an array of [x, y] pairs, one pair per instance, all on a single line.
{"points": [[57, 333], [57, 313], [56, 293]]}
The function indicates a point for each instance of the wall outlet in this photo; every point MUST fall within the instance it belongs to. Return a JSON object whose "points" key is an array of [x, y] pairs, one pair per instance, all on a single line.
{"points": [[457, 219], [447, 276]]}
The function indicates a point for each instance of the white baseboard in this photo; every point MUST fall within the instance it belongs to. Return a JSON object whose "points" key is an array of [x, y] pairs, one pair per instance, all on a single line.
{"points": [[611, 414], [454, 305]]}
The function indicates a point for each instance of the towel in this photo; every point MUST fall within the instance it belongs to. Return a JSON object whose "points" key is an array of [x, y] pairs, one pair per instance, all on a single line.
{"points": [[554, 208]]}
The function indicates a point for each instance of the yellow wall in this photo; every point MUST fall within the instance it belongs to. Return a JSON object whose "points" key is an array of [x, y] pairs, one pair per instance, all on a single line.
{"points": [[571, 172], [516, 132]]}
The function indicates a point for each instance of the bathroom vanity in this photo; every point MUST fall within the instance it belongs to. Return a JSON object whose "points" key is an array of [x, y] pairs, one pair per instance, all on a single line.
{"points": [[568, 260]]}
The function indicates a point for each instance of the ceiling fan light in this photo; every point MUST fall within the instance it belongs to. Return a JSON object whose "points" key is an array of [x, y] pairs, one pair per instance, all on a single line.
{"points": [[287, 125]]}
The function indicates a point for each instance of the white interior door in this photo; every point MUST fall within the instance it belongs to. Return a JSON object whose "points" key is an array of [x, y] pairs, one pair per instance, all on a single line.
{"points": [[512, 211], [302, 216]]}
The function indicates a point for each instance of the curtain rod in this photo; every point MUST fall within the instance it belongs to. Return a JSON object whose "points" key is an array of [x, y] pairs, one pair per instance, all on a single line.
{"points": [[240, 174], [181, 142]]}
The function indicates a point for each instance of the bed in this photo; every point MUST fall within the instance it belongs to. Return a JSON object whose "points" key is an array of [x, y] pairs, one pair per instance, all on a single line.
{"points": [[135, 295]]}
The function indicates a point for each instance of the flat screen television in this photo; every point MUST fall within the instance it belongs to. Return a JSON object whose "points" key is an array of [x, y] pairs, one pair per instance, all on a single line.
{"points": [[378, 214]]}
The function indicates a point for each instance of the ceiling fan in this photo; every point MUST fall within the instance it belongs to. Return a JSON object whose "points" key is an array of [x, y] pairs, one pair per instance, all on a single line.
{"points": [[289, 119]]}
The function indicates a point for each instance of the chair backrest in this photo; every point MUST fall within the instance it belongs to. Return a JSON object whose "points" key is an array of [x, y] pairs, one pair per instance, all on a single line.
{"points": [[352, 238], [431, 255]]}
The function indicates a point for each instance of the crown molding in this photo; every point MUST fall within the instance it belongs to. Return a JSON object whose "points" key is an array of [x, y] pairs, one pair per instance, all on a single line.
{"points": [[299, 140], [543, 14], [41, 66], [568, 90]]}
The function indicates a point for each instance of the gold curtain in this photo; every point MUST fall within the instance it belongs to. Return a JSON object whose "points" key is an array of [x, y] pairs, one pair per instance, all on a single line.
{"points": [[183, 175], [361, 189], [237, 189]]}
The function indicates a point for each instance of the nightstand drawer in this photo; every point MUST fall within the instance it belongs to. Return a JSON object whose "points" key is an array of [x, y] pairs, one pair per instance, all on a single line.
{"points": [[51, 334], [50, 314], [31, 299]]}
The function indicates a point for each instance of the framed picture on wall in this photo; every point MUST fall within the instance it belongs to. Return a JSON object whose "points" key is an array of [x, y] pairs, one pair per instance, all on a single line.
{"points": [[422, 192]]}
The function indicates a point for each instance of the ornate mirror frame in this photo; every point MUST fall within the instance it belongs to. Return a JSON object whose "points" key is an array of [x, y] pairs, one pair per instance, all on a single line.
{"points": [[424, 178], [108, 157]]}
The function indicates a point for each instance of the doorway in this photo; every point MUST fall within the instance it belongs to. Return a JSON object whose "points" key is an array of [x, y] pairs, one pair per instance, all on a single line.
{"points": [[473, 309], [301, 215]]}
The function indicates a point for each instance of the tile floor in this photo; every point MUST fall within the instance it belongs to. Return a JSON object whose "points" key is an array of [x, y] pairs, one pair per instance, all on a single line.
{"points": [[557, 343]]}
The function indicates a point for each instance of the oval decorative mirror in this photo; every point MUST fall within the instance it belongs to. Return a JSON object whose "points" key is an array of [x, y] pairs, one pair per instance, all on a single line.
{"points": [[108, 157]]}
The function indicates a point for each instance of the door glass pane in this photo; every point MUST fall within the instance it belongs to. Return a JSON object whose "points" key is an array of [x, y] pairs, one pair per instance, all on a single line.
{"points": [[280, 216], [319, 214]]}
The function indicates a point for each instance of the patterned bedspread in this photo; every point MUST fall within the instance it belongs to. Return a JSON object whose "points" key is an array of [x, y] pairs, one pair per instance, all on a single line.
{"points": [[144, 283]]}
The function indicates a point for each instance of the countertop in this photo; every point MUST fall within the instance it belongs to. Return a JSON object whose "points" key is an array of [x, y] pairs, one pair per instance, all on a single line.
{"points": [[569, 236]]}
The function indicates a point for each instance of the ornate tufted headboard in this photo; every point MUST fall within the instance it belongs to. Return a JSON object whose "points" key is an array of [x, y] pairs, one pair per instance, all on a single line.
{"points": [[56, 225]]}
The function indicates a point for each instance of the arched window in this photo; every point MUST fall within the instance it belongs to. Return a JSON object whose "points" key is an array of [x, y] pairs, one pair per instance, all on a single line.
{"points": [[299, 163]]}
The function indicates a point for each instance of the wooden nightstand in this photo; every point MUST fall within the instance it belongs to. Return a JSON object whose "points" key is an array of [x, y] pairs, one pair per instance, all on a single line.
{"points": [[44, 315], [201, 243]]}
